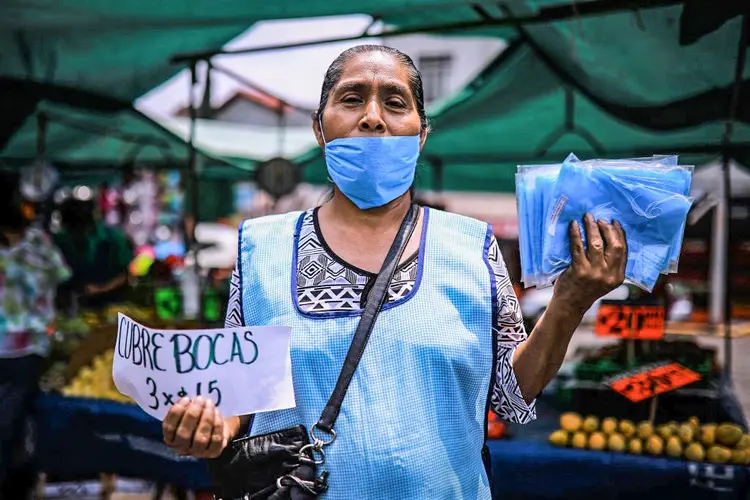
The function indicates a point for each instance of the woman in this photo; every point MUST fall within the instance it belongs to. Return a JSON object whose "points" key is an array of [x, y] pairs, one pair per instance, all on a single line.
{"points": [[31, 268], [450, 342]]}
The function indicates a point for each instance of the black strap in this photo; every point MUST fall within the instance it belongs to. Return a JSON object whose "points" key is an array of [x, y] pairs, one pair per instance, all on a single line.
{"points": [[375, 301]]}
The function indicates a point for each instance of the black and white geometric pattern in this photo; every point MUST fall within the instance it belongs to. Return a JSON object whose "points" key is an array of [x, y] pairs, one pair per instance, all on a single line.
{"points": [[234, 317], [326, 283]]}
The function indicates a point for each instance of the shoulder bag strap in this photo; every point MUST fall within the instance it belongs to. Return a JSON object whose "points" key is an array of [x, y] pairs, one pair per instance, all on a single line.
{"points": [[376, 299]]}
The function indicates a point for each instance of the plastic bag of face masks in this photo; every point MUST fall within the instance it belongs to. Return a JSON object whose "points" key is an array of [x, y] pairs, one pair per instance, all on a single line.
{"points": [[534, 189], [647, 199], [660, 172]]}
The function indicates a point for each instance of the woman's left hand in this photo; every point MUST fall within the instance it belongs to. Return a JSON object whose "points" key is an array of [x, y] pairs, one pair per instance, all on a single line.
{"points": [[596, 272]]}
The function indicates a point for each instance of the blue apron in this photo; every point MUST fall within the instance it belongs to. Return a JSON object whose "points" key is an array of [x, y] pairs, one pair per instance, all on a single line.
{"points": [[412, 424]]}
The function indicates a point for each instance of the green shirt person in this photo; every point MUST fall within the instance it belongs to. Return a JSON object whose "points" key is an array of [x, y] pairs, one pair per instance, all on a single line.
{"points": [[98, 255]]}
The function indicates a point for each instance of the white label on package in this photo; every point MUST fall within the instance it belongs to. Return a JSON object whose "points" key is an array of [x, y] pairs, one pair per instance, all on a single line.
{"points": [[243, 370]]}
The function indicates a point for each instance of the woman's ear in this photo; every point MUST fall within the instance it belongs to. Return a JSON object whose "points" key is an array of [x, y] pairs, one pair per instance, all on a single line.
{"points": [[317, 132], [423, 137]]}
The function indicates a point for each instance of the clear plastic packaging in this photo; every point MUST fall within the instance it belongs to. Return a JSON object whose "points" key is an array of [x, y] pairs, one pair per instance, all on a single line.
{"points": [[648, 202], [649, 196]]}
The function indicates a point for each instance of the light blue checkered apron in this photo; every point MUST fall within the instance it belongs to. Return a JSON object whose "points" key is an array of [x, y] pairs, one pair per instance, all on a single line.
{"points": [[412, 423]]}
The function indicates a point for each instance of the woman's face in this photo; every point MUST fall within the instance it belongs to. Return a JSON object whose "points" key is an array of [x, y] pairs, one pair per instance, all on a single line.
{"points": [[372, 98]]}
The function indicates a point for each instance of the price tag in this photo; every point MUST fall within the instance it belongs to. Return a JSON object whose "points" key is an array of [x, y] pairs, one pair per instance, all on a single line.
{"points": [[651, 380], [630, 321]]}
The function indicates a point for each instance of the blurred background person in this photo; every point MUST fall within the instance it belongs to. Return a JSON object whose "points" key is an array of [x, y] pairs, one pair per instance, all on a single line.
{"points": [[98, 255], [31, 268]]}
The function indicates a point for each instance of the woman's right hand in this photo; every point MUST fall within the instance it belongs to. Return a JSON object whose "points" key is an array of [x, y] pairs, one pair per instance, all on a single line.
{"points": [[197, 428]]}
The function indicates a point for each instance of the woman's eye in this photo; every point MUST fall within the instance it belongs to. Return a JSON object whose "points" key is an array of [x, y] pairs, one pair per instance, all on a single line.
{"points": [[396, 104], [352, 99]]}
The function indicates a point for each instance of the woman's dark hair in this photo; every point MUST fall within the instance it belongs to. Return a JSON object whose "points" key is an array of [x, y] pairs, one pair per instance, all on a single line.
{"points": [[335, 70], [77, 214]]}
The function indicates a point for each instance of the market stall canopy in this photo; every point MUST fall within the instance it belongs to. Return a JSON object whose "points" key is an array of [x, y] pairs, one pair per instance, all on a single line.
{"points": [[536, 102], [519, 111], [663, 69], [85, 138], [246, 145]]}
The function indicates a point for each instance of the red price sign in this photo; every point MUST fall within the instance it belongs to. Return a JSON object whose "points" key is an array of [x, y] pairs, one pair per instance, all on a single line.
{"points": [[651, 380], [630, 321]]}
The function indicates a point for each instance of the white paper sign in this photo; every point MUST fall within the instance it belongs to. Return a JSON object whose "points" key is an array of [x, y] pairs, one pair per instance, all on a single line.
{"points": [[243, 370]]}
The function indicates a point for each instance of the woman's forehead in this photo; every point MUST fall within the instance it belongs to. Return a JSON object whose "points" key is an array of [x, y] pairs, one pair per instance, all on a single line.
{"points": [[374, 67]]}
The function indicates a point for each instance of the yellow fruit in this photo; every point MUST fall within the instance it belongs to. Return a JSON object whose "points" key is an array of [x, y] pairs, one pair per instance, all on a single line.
{"points": [[559, 438], [739, 457], [590, 424], [728, 434], [744, 442], [695, 452], [635, 446], [708, 434], [609, 425], [655, 445], [719, 454], [645, 430], [627, 428], [665, 431], [571, 422], [674, 447], [694, 423], [616, 442], [597, 441], [579, 440], [686, 433]]}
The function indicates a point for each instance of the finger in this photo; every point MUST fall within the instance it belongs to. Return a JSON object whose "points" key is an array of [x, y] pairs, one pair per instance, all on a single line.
{"points": [[594, 239], [613, 244], [172, 420], [623, 238], [202, 435], [576, 244], [188, 424], [216, 445]]}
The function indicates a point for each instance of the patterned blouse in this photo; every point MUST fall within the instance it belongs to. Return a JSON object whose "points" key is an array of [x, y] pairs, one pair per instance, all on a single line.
{"points": [[30, 272], [326, 283]]}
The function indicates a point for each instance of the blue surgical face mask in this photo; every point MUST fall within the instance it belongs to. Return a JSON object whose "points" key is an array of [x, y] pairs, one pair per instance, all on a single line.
{"points": [[372, 171]]}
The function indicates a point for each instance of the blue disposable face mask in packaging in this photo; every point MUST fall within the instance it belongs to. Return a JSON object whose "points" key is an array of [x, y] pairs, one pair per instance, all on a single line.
{"points": [[652, 217], [634, 191], [372, 171]]}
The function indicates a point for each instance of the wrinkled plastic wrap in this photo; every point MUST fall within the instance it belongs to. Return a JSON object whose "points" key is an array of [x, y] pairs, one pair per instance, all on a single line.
{"points": [[648, 196]]}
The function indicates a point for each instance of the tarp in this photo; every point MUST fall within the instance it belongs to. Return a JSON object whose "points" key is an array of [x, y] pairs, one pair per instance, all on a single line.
{"points": [[642, 81], [616, 85], [245, 145]]}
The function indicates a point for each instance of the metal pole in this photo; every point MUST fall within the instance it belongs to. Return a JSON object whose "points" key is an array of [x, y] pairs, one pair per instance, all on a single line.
{"points": [[193, 186], [729, 129], [543, 15]]}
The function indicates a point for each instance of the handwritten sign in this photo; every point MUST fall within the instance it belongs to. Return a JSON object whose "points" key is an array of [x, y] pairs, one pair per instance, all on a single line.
{"points": [[630, 321], [243, 370], [651, 380]]}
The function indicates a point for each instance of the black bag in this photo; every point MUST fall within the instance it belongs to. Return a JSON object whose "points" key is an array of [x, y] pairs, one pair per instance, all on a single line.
{"points": [[282, 464]]}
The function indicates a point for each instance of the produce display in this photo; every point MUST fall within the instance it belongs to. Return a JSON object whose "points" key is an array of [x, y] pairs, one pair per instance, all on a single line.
{"points": [[716, 443], [72, 335], [602, 362], [95, 381]]}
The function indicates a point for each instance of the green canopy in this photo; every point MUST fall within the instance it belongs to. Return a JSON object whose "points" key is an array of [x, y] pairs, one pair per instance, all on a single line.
{"points": [[634, 81], [617, 85]]}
